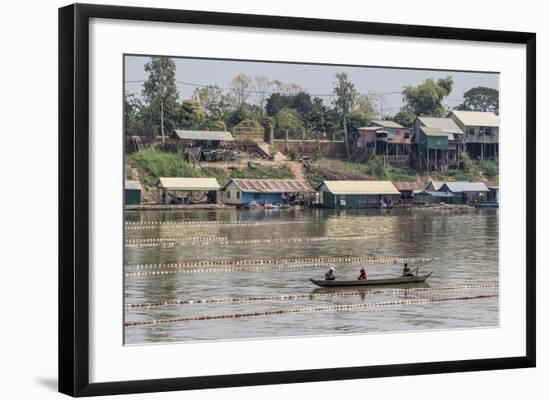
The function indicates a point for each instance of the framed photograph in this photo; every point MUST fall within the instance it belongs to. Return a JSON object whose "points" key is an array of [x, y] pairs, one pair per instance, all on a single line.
{"points": [[251, 199]]}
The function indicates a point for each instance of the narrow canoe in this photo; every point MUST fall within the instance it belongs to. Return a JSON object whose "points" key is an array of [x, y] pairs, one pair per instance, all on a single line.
{"points": [[383, 281]]}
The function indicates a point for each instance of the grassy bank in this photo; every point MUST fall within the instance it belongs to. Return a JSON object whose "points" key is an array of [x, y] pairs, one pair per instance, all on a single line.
{"points": [[151, 164], [328, 169]]}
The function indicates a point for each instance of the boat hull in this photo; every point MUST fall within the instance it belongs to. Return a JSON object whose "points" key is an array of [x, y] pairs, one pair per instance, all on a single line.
{"points": [[385, 281]]}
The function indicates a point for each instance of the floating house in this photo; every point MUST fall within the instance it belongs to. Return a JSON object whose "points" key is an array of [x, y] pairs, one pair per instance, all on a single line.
{"points": [[435, 185], [185, 190], [466, 192], [494, 193], [438, 144], [432, 197], [240, 191], [481, 132], [386, 139], [132, 192], [357, 194], [408, 188]]}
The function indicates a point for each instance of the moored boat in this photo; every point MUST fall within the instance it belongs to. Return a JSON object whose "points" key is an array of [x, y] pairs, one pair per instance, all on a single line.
{"points": [[420, 278]]}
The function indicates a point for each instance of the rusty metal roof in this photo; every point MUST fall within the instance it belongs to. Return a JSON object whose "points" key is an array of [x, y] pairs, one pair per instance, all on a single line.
{"points": [[409, 185], [272, 186]]}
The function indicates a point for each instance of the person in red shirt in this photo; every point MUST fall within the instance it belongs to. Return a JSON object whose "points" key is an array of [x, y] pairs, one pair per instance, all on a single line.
{"points": [[362, 274]]}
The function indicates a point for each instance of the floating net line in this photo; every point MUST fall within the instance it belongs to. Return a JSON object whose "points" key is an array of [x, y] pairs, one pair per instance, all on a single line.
{"points": [[178, 241], [129, 225], [335, 308], [219, 266], [292, 297]]}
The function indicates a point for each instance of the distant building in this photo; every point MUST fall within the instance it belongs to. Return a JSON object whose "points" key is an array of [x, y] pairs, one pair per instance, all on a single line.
{"points": [[409, 188], [185, 190], [494, 194], [432, 197], [240, 191], [201, 138], [482, 132], [357, 194], [132, 192], [466, 192], [385, 139], [438, 144]]}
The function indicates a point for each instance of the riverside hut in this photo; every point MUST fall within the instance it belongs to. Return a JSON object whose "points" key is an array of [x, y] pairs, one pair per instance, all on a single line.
{"points": [[240, 191], [466, 192], [132, 192], [408, 188], [185, 190], [357, 194]]}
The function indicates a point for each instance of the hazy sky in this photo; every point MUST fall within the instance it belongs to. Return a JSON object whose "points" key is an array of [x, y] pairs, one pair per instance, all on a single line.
{"points": [[315, 79]]}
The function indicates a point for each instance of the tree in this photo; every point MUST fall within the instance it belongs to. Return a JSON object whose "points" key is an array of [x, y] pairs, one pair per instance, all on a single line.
{"points": [[160, 90], [288, 119], [213, 101], [405, 117], [480, 99], [347, 97], [426, 98], [285, 88], [188, 115], [365, 108], [240, 87], [277, 101], [133, 119], [262, 87]]}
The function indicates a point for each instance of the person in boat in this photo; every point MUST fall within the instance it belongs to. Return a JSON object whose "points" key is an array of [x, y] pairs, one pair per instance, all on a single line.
{"points": [[330, 274], [407, 272], [362, 274]]}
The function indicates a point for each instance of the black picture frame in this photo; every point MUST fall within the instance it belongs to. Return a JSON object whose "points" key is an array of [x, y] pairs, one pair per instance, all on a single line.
{"points": [[74, 199]]}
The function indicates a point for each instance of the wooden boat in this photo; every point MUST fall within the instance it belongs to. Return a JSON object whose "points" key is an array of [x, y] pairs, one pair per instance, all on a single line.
{"points": [[420, 278]]}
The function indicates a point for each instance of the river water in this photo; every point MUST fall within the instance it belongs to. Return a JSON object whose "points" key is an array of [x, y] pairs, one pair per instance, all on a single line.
{"points": [[463, 244]]}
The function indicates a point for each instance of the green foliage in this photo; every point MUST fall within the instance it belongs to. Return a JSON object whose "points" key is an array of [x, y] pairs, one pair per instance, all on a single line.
{"points": [[314, 177], [346, 94], [215, 103], [356, 120], [404, 117], [489, 168], [152, 164], [159, 91], [293, 154], [426, 98], [480, 99], [288, 119], [376, 168]]}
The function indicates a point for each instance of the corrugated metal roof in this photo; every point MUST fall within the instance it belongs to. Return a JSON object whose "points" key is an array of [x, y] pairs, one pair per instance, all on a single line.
{"points": [[132, 184], [188, 184], [203, 135], [463, 186], [447, 125], [387, 124], [439, 194], [430, 131], [477, 118], [409, 185], [436, 185], [271, 186], [360, 187]]}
